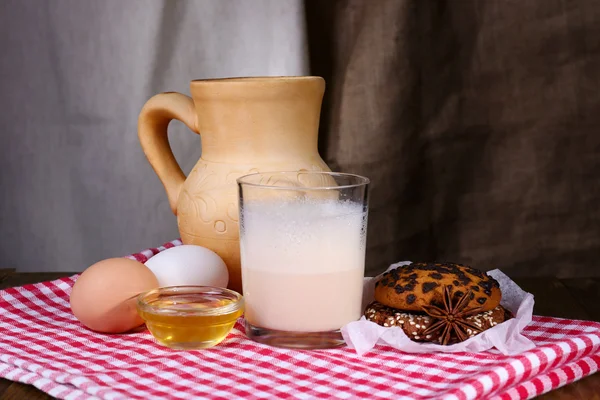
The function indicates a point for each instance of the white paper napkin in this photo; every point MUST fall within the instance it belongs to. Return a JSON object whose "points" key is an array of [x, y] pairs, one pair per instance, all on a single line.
{"points": [[507, 337]]}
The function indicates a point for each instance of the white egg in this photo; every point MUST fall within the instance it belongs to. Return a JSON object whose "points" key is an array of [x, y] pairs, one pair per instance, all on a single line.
{"points": [[188, 265]]}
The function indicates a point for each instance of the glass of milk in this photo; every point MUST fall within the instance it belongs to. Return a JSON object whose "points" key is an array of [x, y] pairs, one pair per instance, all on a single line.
{"points": [[302, 243]]}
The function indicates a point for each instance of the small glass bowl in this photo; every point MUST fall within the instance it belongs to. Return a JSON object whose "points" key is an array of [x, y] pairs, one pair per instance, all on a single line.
{"points": [[190, 317]]}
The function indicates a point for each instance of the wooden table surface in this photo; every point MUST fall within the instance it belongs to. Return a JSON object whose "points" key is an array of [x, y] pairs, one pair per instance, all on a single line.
{"points": [[577, 298]]}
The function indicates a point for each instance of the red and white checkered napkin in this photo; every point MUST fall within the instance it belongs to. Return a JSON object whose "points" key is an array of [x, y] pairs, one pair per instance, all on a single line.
{"points": [[42, 344]]}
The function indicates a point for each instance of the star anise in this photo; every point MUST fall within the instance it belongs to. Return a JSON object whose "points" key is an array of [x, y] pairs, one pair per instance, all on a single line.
{"points": [[452, 318]]}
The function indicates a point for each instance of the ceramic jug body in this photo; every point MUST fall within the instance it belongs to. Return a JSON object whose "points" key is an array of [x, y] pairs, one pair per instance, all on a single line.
{"points": [[246, 125]]}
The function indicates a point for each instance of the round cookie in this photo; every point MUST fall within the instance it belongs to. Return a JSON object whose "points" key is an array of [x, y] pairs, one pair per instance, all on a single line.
{"points": [[414, 325], [416, 285]]}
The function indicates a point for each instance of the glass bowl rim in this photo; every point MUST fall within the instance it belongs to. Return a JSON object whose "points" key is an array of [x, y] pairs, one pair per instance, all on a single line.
{"points": [[144, 305], [362, 180]]}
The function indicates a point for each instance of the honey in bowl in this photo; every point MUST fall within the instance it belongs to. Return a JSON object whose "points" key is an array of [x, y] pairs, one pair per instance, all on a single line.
{"points": [[190, 317]]}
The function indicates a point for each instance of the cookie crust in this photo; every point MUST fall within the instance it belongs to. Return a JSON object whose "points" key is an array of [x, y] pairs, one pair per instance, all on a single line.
{"points": [[414, 325], [411, 287]]}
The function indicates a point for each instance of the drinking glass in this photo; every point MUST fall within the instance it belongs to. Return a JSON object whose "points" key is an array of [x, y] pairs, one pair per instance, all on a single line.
{"points": [[302, 243]]}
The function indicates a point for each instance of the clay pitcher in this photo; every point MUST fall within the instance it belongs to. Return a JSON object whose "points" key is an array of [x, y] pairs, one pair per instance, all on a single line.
{"points": [[246, 125]]}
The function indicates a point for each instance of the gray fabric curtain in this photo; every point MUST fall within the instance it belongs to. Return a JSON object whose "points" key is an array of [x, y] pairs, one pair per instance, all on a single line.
{"points": [[478, 123], [76, 187]]}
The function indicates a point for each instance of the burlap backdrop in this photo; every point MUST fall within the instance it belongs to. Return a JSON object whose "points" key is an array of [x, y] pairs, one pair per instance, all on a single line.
{"points": [[478, 123]]}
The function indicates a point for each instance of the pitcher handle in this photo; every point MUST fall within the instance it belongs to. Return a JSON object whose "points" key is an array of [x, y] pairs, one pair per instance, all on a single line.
{"points": [[152, 133]]}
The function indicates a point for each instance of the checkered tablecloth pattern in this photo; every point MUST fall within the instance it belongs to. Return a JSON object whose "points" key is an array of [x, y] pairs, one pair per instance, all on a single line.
{"points": [[42, 344]]}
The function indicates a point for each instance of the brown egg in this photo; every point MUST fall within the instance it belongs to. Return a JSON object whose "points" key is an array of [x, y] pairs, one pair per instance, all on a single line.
{"points": [[103, 297]]}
